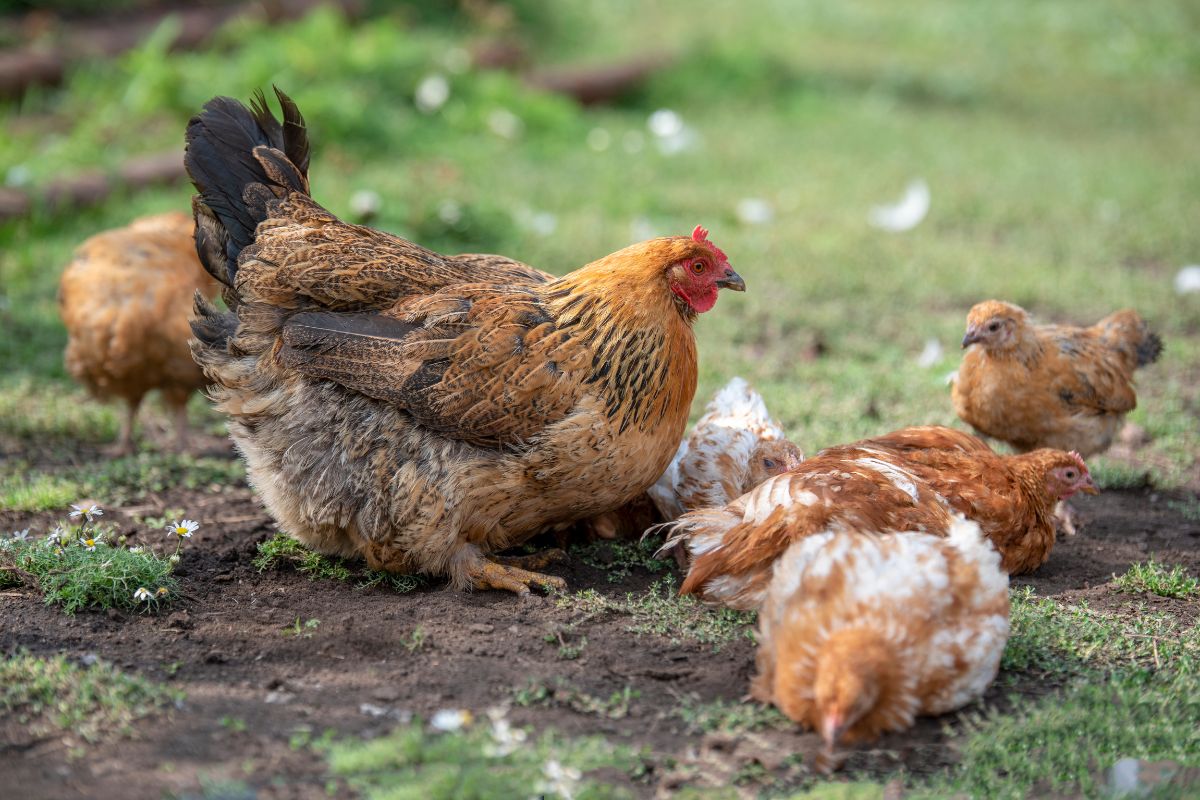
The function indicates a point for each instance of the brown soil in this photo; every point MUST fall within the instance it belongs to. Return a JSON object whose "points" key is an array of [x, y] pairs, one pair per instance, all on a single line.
{"points": [[356, 673]]}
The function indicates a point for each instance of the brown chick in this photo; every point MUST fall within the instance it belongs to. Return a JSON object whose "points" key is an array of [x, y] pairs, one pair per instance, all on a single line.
{"points": [[427, 411], [1054, 386], [885, 484], [125, 299], [860, 633]]}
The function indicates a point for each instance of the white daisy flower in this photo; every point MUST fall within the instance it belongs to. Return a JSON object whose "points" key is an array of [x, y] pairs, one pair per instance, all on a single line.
{"points": [[142, 593], [87, 544], [561, 781], [137, 548], [87, 511], [184, 529], [450, 719], [20, 536], [57, 535]]}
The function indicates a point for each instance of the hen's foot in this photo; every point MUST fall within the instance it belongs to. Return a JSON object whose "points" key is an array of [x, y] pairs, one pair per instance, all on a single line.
{"points": [[494, 575], [540, 560]]}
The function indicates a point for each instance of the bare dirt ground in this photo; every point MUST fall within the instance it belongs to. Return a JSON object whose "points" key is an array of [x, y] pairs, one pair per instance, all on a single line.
{"points": [[251, 690]]}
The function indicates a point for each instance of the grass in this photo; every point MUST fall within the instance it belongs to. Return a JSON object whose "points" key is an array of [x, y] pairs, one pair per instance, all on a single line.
{"points": [[282, 549], [562, 694], [481, 761], [659, 611], [79, 566], [93, 702], [728, 716], [1154, 578], [619, 558]]}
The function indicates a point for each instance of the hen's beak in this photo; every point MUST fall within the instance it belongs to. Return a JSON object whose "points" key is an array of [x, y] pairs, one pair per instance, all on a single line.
{"points": [[832, 726], [972, 336], [1090, 486], [731, 280]]}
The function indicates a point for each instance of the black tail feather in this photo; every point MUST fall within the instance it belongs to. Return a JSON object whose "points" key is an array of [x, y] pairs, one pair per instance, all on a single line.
{"points": [[213, 327], [1149, 349], [240, 160]]}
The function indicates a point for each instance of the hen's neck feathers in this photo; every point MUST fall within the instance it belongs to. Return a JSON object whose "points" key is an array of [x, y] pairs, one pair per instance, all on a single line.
{"points": [[644, 352]]}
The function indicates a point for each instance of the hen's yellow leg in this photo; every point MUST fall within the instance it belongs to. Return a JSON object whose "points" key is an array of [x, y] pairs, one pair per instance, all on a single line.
{"points": [[494, 575]]}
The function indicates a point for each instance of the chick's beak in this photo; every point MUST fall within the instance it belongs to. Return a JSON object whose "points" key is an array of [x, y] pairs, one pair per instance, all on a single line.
{"points": [[972, 336], [731, 280]]}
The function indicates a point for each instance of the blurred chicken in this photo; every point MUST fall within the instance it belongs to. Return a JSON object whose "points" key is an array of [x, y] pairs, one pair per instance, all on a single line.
{"points": [[125, 299], [734, 447], [427, 411], [1050, 385], [860, 633], [915, 479]]}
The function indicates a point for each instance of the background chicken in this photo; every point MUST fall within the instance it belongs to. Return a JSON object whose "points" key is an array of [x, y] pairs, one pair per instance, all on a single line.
{"points": [[915, 479], [125, 299], [734, 447], [1050, 385], [425, 411], [860, 633]]}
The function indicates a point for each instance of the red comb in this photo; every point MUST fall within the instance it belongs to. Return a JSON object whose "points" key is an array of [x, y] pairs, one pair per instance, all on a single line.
{"points": [[1079, 460], [700, 234]]}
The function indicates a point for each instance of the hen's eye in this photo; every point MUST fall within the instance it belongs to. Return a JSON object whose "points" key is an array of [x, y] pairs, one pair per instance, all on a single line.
{"points": [[697, 266], [995, 326], [1070, 474], [769, 464]]}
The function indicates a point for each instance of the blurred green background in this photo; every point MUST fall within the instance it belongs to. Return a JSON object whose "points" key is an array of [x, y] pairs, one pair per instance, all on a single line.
{"points": [[1058, 140]]}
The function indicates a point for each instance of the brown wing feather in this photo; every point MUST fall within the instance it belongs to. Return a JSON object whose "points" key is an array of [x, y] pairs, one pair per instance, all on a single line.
{"points": [[482, 364]]}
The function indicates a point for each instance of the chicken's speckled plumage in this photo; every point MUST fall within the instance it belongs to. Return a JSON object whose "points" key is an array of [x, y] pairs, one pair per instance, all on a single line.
{"points": [[1058, 386], [860, 632], [733, 447], [423, 410], [915, 479]]}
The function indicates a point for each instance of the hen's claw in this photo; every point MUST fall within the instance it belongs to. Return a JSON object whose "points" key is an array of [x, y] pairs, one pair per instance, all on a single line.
{"points": [[494, 575], [555, 555]]}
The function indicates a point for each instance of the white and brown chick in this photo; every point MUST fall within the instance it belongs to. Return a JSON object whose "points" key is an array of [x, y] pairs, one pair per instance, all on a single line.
{"points": [[861, 632]]}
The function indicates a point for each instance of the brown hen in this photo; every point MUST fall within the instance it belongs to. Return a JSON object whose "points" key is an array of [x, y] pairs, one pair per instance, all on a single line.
{"points": [[420, 410], [1055, 386], [125, 299], [915, 479]]}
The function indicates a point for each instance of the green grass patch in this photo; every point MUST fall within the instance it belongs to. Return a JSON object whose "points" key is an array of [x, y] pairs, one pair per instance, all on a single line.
{"points": [[80, 566], [1062, 746], [1154, 578], [729, 716], [283, 550], [1052, 637], [618, 558], [659, 611], [92, 702], [562, 694], [481, 761]]}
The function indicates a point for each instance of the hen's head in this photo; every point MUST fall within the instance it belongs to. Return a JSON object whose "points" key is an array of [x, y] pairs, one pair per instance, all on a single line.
{"points": [[855, 676], [770, 458], [1060, 473], [996, 325]]}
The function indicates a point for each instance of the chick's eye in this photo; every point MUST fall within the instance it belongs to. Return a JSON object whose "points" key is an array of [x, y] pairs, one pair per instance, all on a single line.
{"points": [[995, 326], [698, 266], [769, 464]]}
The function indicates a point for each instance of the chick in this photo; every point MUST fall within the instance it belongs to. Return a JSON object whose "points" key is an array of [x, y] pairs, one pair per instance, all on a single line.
{"points": [[126, 299], [861, 633], [1050, 385]]}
